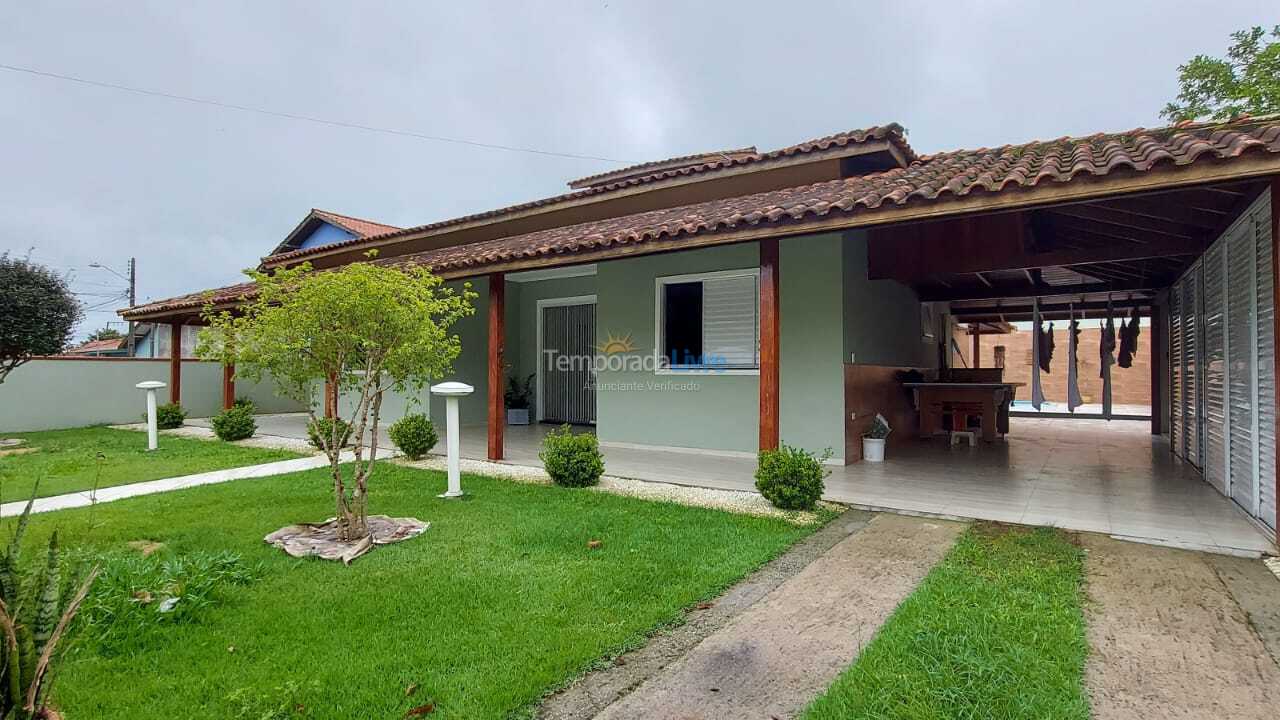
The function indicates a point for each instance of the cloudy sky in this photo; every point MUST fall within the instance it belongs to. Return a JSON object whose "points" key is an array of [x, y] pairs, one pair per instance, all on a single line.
{"points": [[196, 192]]}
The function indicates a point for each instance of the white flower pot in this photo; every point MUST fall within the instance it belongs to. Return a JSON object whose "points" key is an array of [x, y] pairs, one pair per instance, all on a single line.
{"points": [[873, 449], [517, 417]]}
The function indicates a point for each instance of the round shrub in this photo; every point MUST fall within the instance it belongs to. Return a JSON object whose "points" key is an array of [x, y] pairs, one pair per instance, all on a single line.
{"points": [[321, 429], [572, 460], [169, 416], [791, 477], [234, 423], [414, 435]]}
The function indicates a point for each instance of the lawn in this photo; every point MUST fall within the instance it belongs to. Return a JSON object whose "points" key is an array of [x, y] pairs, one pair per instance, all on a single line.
{"points": [[68, 460], [994, 631], [498, 602]]}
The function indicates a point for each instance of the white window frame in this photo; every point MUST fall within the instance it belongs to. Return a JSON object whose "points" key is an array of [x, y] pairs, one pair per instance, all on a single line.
{"points": [[659, 360]]}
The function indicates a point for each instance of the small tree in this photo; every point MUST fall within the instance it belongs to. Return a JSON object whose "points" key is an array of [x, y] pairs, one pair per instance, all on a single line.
{"points": [[106, 333], [367, 328], [1247, 81], [37, 312]]}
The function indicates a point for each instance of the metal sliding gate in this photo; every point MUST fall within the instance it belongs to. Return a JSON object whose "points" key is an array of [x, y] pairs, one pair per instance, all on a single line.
{"points": [[567, 387], [1221, 357]]}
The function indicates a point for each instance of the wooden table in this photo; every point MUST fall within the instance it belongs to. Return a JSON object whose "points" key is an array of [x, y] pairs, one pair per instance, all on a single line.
{"points": [[995, 398]]}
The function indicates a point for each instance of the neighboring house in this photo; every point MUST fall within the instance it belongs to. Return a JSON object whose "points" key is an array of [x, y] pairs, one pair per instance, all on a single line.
{"points": [[731, 300], [318, 229], [114, 347]]}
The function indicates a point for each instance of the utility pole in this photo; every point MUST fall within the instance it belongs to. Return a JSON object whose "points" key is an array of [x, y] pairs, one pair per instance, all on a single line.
{"points": [[133, 297]]}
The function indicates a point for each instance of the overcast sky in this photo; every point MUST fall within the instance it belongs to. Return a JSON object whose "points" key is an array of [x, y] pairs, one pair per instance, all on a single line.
{"points": [[197, 193]]}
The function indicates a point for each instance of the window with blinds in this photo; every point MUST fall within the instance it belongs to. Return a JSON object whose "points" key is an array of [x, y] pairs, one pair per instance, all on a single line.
{"points": [[709, 322]]}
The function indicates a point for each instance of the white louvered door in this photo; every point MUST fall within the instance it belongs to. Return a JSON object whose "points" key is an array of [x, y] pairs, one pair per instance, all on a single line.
{"points": [[1222, 364], [1215, 400], [1265, 367]]}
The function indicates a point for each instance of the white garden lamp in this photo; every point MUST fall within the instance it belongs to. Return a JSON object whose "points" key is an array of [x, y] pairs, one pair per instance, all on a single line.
{"points": [[451, 391], [151, 386]]}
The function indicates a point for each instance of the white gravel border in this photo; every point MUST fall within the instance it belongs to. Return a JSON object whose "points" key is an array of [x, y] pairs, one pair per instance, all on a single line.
{"points": [[269, 442], [737, 501]]}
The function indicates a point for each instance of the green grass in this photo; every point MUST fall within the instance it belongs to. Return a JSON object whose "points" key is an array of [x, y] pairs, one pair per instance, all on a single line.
{"points": [[994, 631], [498, 602], [67, 460]]}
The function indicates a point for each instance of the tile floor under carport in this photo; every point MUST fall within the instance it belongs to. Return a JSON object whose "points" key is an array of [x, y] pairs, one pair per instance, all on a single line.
{"points": [[1090, 475]]}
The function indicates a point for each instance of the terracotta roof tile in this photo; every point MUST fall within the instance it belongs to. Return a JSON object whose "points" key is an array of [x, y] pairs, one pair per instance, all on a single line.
{"points": [[92, 346], [360, 227], [932, 178], [892, 132], [228, 294], [648, 168]]}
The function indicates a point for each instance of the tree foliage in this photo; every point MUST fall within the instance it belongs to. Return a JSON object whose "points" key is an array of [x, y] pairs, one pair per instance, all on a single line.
{"points": [[1247, 81], [106, 333], [368, 328], [37, 312]]}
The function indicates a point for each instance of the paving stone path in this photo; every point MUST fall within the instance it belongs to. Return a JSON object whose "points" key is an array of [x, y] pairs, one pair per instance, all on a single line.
{"points": [[774, 658], [118, 492]]}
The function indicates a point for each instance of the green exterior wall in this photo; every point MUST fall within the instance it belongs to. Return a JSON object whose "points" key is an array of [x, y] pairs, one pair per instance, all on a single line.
{"points": [[829, 310], [811, 397], [710, 410], [881, 317]]}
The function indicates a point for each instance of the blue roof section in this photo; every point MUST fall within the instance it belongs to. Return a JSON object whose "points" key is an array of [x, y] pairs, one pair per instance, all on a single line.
{"points": [[325, 234]]}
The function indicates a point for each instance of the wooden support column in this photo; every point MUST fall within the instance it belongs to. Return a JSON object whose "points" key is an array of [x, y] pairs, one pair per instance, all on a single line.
{"points": [[770, 344], [1275, 319], [228, 386], [497, 338], [976, 345], [1157, 369], [175, 361]]}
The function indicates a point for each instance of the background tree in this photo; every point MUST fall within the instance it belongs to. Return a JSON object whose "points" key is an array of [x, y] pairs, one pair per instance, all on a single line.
{"points": [[1247, 81], [37, 312], [369, 328], [106, 333]]}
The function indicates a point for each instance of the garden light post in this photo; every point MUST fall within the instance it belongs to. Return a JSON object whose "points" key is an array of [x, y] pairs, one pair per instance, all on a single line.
{"points": [[451, 391], [152, 434]]}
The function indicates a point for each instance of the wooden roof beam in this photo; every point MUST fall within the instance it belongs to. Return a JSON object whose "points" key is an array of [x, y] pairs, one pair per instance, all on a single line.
{"points": [[1023, 291]]}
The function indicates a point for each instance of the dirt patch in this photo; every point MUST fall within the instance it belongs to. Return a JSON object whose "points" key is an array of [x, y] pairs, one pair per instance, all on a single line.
{"points": [[1168, 638], [597, 690], [1257, 591], [773, 659], [146, 547]]}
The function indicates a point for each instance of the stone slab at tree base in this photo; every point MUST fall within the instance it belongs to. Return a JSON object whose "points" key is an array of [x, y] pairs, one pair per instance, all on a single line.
{"points": [[321, 539]]}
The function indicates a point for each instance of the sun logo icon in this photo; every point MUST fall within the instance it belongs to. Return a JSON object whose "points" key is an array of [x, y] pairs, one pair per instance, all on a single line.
{"points": [[614, 344]]}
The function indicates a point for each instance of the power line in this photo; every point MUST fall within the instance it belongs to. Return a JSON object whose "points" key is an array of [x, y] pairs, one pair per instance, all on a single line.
{"points": [[304, 118]]}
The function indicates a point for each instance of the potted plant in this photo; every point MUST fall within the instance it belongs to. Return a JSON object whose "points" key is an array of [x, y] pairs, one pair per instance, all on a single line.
{"points": [[518, 397], [873, 441]]}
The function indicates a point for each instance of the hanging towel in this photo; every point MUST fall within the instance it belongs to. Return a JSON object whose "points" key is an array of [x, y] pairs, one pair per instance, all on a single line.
{"points": [[1044, 355], [1107, 348], [1129, 339], [1073, 381], [1037, 394]]}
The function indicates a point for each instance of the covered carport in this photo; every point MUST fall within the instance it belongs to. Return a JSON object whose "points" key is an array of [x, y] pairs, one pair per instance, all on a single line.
{"points": [[1199, 261]]}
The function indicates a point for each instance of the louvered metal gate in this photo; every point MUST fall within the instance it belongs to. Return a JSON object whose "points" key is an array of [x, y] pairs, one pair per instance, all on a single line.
{"points": [[566, 363]]}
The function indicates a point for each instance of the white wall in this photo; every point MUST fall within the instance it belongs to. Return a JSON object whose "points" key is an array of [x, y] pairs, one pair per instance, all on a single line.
{"points": [[52, 394]]}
